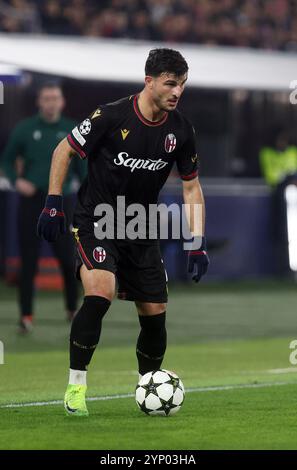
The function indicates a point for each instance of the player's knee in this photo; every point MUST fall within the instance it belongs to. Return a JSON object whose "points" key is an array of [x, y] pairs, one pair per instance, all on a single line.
{"points": [[98, 283], [150, 309], [86, 325], [162, 308], [96, 305], [98, 291]]}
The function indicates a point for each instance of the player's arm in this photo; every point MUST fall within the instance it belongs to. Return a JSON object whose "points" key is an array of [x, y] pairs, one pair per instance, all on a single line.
{"points": [[194, 206], [198, 260], [51, 222], [80, 169], [59, 167], [83, 141], [187, 164]]}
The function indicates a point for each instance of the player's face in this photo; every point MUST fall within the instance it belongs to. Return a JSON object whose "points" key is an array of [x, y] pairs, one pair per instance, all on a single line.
{"points": [[51, 103], [167, 90]]}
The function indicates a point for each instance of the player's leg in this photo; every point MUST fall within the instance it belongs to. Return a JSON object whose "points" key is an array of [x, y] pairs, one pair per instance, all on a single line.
{"points": [[29, 209], [152, 339], [142, 278], [99, 289]]}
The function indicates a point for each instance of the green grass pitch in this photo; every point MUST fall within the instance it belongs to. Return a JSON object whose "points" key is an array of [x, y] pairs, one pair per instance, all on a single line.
{"points": [[228, 342]]}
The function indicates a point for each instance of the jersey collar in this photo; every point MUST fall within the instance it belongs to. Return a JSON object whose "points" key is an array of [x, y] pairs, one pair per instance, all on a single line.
{"points": [[143, 119]]}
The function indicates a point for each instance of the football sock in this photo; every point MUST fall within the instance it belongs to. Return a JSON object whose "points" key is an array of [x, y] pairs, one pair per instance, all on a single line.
{"points": [[77, 377], [85, 331], [151, 344]]}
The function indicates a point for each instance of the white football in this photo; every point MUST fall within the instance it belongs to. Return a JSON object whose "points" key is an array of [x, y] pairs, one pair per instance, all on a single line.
{"points": [[160, 392]]}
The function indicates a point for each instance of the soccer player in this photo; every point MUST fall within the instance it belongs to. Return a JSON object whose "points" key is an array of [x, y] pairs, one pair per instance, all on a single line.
{"points": [[130, 146], [32, 142]]}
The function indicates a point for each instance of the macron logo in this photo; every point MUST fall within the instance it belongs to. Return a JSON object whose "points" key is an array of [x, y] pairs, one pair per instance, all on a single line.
{"points": [[123, 159]]}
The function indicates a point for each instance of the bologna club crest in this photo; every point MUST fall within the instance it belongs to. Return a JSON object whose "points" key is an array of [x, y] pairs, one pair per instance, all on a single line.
{"points": [[53, 212], [99, 254], [170, 143]]}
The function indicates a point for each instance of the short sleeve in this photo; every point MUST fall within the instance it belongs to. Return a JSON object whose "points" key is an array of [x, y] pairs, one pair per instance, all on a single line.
{"points": [[187, 159], [86, 136]]}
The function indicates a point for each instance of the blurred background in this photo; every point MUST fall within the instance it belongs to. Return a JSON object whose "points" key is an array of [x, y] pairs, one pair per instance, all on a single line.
{"points": [[242, 57], [241, 99]]}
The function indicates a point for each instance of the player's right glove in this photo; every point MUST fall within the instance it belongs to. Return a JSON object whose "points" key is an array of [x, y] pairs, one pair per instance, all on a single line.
{"points": [[198, 259], [51, 223]]}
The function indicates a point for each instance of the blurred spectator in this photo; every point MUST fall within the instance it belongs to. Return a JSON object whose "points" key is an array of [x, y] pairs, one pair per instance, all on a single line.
{"points": [[53, 19], [267, 24], [140, 27], [76, 15], [177, 28], [26, 162], [19, 16], [278, 163]]}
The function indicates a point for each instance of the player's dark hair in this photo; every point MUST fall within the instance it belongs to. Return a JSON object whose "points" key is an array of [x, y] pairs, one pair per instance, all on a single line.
{"points": [[164, 60], [52, 84]]}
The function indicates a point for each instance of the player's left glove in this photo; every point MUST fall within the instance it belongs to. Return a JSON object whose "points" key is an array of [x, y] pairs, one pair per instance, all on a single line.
{"points": [[198, 260], [51, 222]]}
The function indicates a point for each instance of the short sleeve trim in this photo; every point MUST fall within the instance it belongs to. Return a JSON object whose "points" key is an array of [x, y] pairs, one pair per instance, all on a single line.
{"points": [[75, 147], [189, 177]]}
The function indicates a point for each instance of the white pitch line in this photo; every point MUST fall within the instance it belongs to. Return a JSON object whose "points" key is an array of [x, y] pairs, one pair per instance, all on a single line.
{"points": [[60, 402], [287, 370], [131, 395]]}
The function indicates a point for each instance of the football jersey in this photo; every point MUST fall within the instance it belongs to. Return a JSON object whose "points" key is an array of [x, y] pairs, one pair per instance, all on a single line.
{"points": [[130, 156]]}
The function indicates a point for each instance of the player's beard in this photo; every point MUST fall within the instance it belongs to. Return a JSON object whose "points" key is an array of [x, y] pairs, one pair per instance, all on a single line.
{"points": [[163, 104]]}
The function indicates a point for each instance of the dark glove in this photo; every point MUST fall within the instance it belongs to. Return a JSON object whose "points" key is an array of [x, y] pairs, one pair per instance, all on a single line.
{"points": [[51, 223], [198, 259]]}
